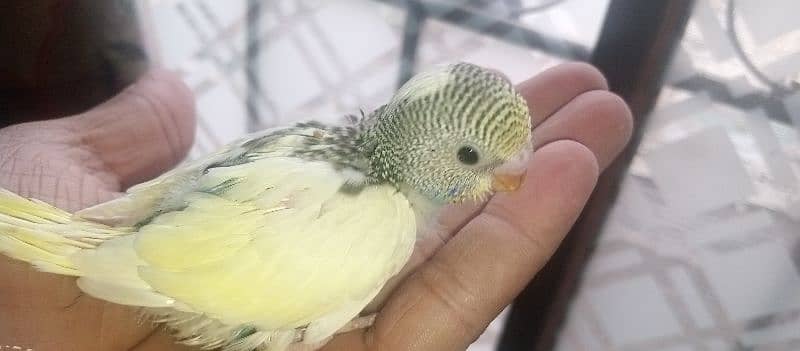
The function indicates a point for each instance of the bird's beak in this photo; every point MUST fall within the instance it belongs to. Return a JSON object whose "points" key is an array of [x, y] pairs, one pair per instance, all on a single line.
{"points": [[502, 182], [510, 175]]}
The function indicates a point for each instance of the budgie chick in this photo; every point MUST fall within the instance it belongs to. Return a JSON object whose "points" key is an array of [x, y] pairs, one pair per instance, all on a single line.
{"points": [[287, 235]]}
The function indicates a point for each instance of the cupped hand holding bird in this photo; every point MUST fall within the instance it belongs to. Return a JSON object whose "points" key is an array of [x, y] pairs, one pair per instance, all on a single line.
{"points": [[479, 258]]}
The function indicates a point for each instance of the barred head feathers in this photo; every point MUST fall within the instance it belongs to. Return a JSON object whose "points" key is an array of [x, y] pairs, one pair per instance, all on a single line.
{"points": [[446, 131]]}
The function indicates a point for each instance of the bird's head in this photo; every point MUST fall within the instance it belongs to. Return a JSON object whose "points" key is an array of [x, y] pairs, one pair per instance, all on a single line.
{"points": [[454, 133]]}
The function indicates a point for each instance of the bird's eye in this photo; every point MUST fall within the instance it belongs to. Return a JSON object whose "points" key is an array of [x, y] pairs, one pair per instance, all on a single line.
{"points": [[467, 155]]}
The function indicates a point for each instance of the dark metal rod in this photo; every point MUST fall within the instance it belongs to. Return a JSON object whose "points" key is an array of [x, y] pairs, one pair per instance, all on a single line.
{"points": [[252, 48], [415, 21], [476, 20], [771, 102]]}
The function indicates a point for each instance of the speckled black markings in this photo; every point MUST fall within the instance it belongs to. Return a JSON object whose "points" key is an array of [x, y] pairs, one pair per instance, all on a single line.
{"points": [[474, 104]]}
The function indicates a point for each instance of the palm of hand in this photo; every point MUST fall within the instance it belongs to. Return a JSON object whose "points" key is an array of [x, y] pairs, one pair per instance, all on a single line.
{"points": [[73, 163], [58, 173], [447, 294]]}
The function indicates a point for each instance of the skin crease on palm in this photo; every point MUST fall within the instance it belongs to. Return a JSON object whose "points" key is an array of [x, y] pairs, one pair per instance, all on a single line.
{"points": [[477, 259]]}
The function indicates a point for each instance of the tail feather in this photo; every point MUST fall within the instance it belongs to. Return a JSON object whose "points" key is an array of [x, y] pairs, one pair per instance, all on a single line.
{"points": [[31, 209], [45, 236]]}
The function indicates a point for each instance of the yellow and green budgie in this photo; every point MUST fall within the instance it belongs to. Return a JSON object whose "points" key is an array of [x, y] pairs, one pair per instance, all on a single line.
{"points": [[286, 235]]}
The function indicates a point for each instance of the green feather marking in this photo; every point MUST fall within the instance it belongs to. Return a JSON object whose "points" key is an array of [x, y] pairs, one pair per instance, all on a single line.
{"points": [[412, 142]]}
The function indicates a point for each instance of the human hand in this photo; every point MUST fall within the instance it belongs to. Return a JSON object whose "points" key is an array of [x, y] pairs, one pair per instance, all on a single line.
{"points": [[75, 162], [443, 305], [480, 257]]}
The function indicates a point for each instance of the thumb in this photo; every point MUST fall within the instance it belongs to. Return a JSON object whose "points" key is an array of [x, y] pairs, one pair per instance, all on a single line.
{"points": [[142, 132]]}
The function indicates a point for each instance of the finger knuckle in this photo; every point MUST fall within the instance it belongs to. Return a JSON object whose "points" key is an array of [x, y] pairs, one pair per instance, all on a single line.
{"points": [[501, 219]]}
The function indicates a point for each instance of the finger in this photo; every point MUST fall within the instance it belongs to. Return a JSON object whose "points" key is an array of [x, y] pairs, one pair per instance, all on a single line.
{"points": [[598, 119], [550, 90], [450, 300], [450, 221], [144, 130]]}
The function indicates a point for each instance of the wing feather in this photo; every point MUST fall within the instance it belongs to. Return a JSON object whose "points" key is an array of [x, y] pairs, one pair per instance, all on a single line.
{"points": [[252, 236], [297, 264], [164, 193]]}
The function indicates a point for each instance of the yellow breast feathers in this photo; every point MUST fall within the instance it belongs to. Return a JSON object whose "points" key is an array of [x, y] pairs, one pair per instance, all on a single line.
{"points": [[277, 248]]}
